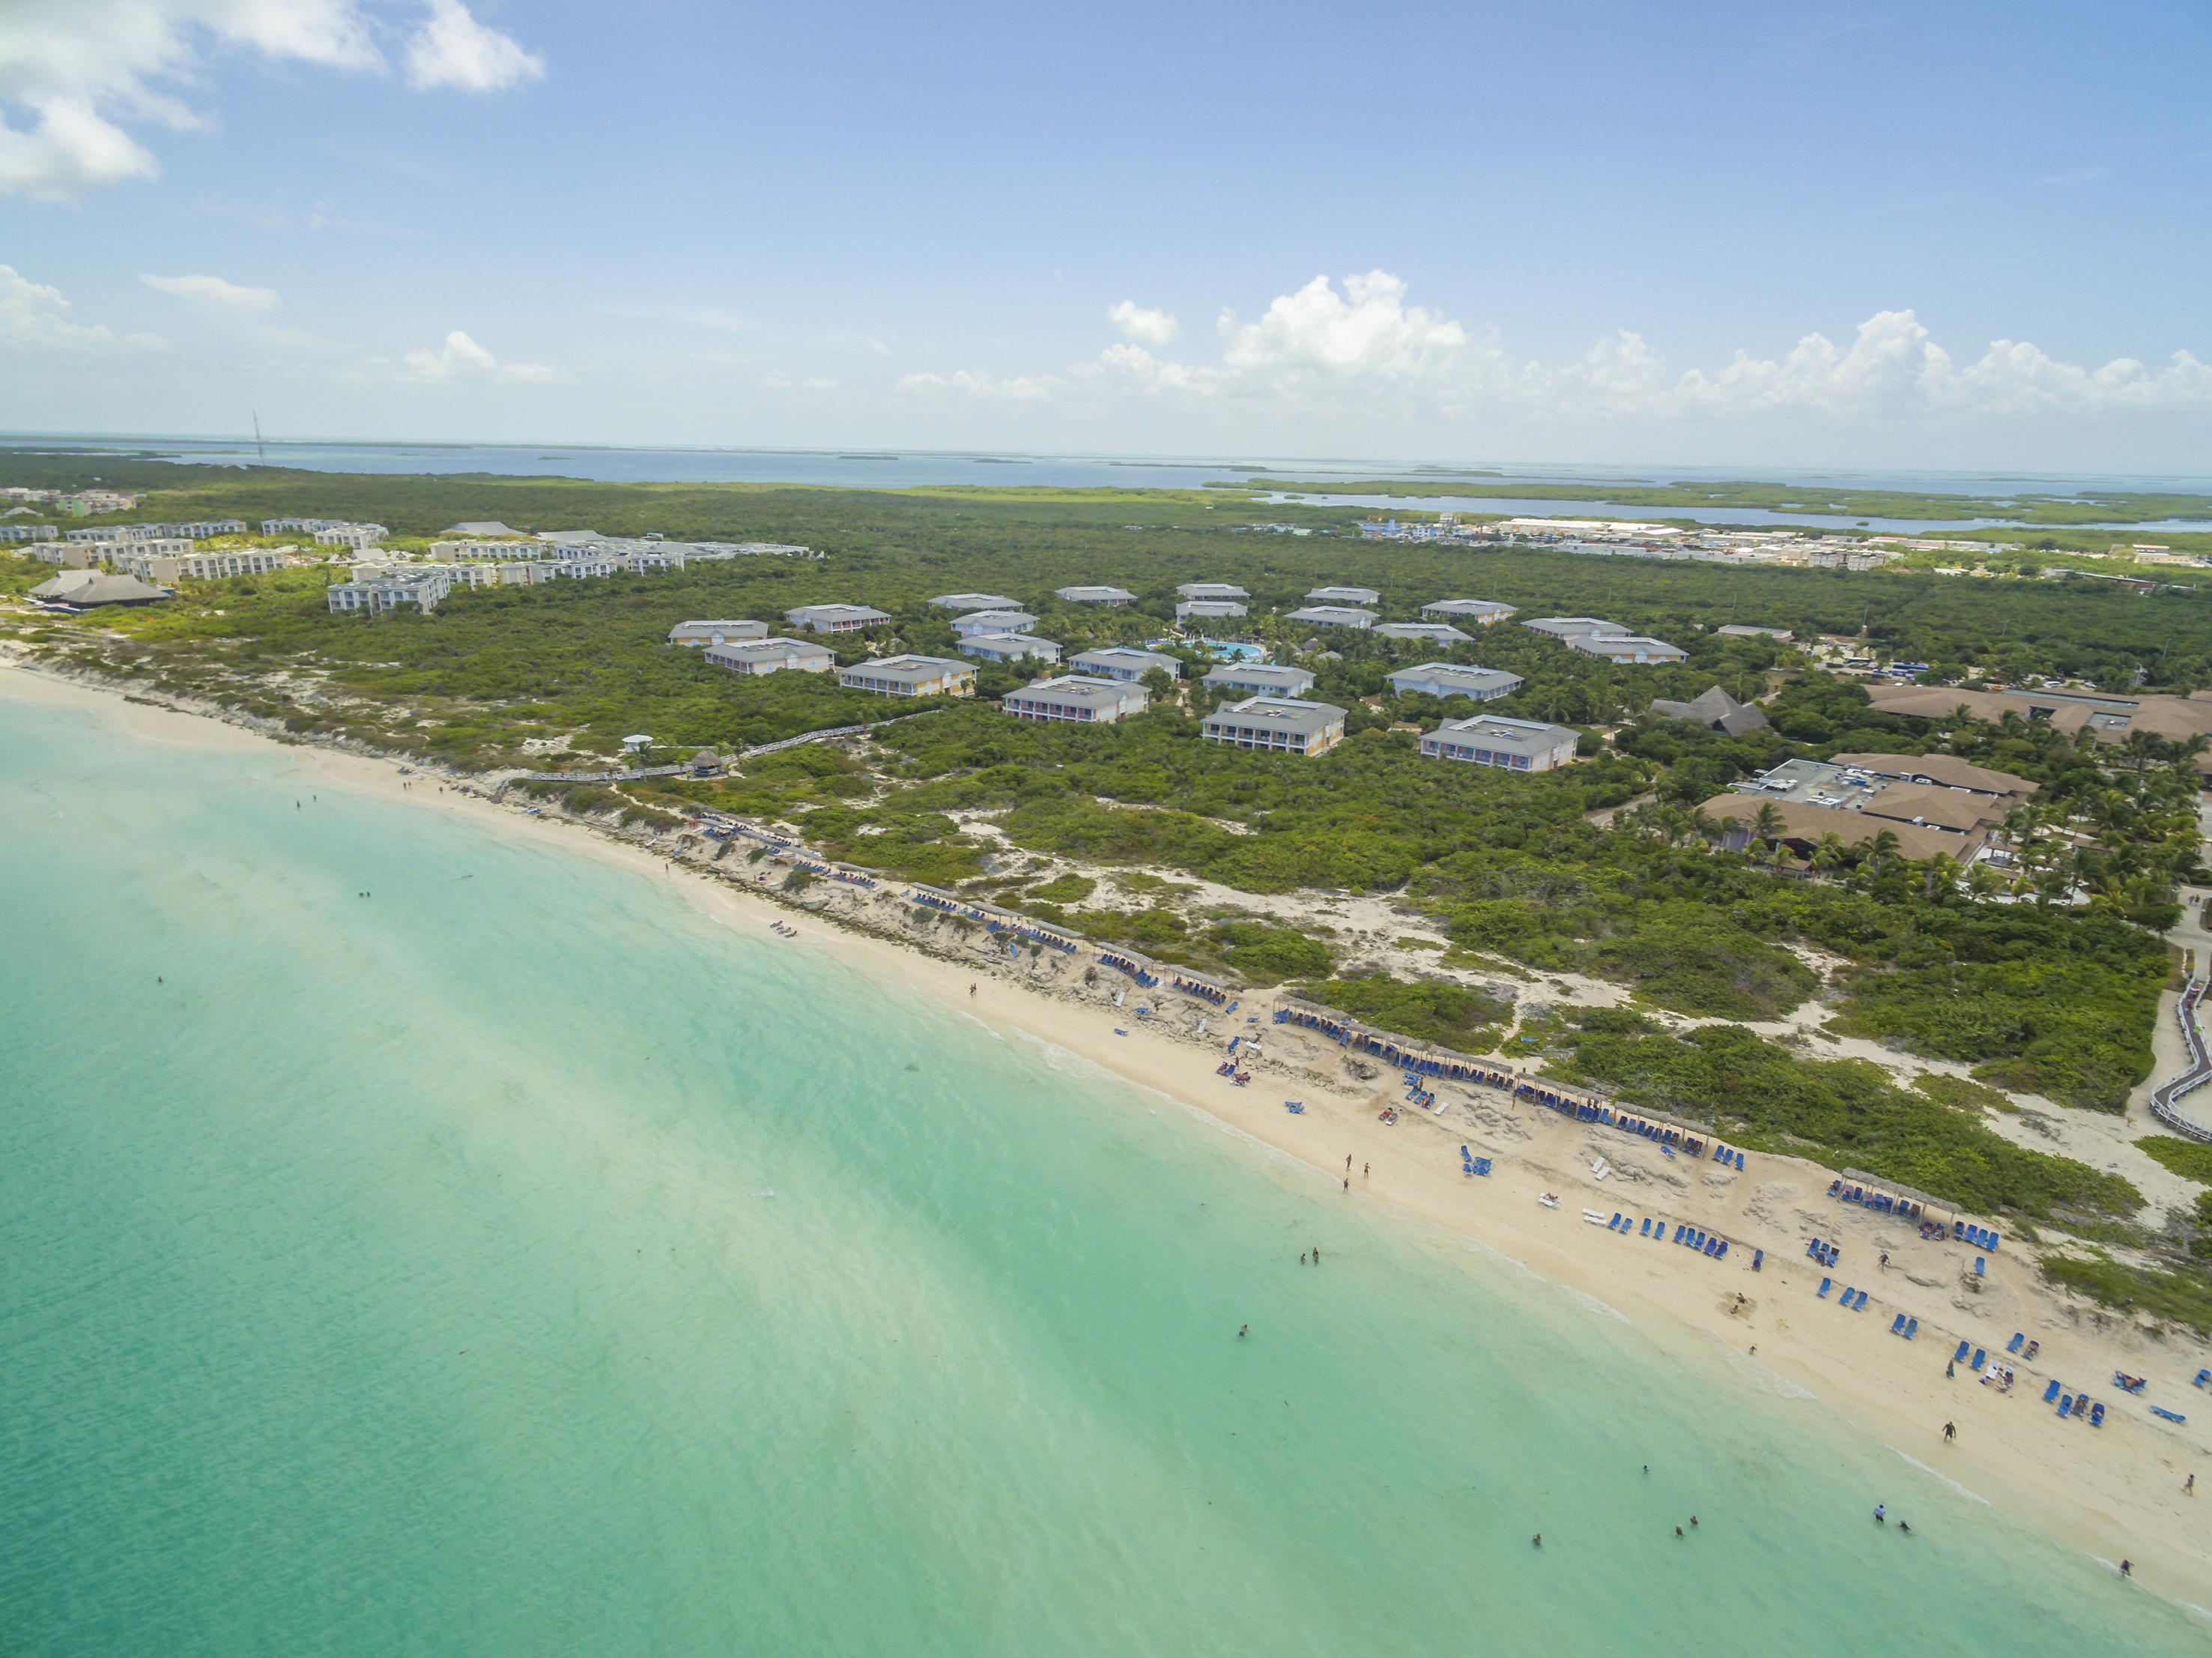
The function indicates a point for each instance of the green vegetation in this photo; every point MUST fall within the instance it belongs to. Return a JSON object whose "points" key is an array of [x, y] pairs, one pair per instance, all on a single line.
{"points": [[1452, 1015], [2182, 1296], [1845, 1111], [2187, 1158]]}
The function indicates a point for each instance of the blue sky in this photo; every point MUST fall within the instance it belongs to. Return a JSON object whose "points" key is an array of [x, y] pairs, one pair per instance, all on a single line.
{"points": [[1763, 234]]}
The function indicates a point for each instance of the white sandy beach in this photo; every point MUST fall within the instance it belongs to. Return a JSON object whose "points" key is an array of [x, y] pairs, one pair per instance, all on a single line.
{"points": [[2114, 1491]]}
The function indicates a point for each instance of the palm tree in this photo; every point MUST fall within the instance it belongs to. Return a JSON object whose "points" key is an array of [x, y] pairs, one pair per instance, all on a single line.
{"points": [[1829, 853], [1767, 823], [1882, 848]]}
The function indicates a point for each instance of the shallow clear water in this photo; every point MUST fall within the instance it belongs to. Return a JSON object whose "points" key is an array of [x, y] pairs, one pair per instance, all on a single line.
{"points": [[517, 1261]]}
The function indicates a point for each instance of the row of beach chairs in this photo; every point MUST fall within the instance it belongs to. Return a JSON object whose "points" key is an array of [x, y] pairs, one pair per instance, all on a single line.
{"points": [[1725, 1154], [1826, 1254], [1470, 1164], [1980, 1236], [1854, 1299], [1704, 1243], [1901, 1325]]}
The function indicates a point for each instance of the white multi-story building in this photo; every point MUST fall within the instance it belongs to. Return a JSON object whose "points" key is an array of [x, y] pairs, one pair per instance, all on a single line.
{"points": [[387, 593], [29, 533], [1493, 740], [1076, 697], [168, 568], [1288, 724], [475, 549], [834, 618], [356, 536]]}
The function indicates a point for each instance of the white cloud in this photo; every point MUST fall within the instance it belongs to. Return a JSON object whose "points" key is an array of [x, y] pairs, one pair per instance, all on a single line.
{"points": [[215, 292], [776, 379], [461, 358], [1144, 327], [75, 74], [1360, 350], [452, 49], [36, 318]]}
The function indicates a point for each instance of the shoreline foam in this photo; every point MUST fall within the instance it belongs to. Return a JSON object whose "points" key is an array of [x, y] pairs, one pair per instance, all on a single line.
{"points": [[2115, 1495]]}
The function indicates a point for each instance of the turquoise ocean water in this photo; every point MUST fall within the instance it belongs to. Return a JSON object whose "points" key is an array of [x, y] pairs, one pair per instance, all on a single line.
{"points": [[516, 1261]]}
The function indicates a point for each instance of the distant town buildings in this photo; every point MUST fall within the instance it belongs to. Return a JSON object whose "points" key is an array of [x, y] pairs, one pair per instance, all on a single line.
{"points": [[382, 594], [190, 566], [356, 536], [1443, 633], [1211, 590], [1343, 596], [1493, 740], [1285, 724], [1594, 637]]}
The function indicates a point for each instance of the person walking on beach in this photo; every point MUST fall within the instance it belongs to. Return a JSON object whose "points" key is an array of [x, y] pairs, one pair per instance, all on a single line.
{"points": [[1950, 1369], [1950, 1432], [1347, 1183], [2188, 1485], [1880, 1514], [2127, 1569], [1365, 1170], [1348, 1164]]}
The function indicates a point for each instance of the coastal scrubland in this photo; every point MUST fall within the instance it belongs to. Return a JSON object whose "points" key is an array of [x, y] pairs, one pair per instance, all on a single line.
{"points": [[2044, 982]]}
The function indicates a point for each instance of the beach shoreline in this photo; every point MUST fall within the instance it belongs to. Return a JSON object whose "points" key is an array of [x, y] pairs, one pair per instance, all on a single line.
{"points": [[2112, 1492]]}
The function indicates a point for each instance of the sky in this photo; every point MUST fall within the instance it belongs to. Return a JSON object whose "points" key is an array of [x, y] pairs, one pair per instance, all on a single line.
{"points": [[1921, 235]]}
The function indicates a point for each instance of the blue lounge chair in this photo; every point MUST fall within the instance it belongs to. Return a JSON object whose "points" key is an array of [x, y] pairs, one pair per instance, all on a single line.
{"points": [[1897, 1325], [2125, 1385], [1911, 1328], [1645, 1231], [1981, 1357], [2018, 1337], [1848, 1293], [1723, 1252], [1965, 1348], [1758, 1259], [1981, 1266], [1825, 1283], [1814, 1247], [2066, 1405], [1739, 1160], [2170, 1415], [1614, 1222], [2050, 1392], [2097, 1414], [1860, 1306], [2203, 1379]]}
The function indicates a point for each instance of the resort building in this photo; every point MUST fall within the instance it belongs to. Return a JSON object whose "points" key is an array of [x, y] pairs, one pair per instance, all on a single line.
{"points": [[1290, 725], [1453, 680], [647, 561], [995, 621], [1211, 590], [87, 589], [1260, 679], [1008, 647], [1332, 616], [1493, 740], [1482, 611], [975, 601], [1625, 647], [1116, 596], [299, 526], [834, 618], [1745, 630], [774, 654], [1343, 596], [714, 633], [1208, 610], [1442, 633], [29, 533], [1568, 627], [1715, 709], [204, 566], [1077, 696], [381, 596], [481, 526], [582, 568], [473, 549], [1125, 662], [119, 553], [910, 676], [356, 536], [1856, 797]]}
